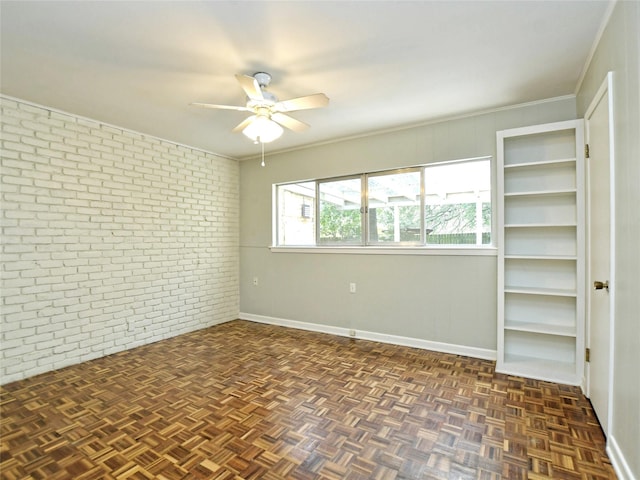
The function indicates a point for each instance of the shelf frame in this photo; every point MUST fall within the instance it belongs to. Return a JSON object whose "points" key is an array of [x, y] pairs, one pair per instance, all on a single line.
{"points": [[532, 142]]}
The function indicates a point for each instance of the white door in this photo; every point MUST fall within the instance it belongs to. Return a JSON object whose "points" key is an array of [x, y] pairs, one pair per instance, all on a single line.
{"points": [[599, 280]]}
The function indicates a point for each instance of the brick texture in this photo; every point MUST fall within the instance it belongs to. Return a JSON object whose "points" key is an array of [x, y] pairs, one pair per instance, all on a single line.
{"points": [[111, 239]]}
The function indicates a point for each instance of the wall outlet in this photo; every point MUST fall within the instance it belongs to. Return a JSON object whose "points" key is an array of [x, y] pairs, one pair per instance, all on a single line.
{"points": [[352, 287], [352, 333], [255, 281]]}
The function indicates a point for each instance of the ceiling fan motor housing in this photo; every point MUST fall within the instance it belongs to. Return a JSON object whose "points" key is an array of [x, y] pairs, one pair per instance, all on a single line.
{"points": [[263, 79], [269, 98]]}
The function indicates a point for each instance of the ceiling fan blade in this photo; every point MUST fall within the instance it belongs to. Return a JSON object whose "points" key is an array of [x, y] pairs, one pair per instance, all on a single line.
{"points": [[223, 107], [289, 122], [316, 100], [250, 86], [243, 124]]}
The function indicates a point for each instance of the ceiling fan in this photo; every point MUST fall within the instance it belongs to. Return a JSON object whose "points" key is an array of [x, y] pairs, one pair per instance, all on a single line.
{"points": [[269, 114]]}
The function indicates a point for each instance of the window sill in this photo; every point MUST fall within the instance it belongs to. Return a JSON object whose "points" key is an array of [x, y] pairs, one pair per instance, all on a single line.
{"points": [[466, 250]]}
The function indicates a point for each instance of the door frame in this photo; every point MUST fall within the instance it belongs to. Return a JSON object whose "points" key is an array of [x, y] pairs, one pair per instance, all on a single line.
{"points": [[606, 88]]}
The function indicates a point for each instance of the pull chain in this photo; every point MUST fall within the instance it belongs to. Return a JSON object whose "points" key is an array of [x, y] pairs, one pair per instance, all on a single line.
{"points": [[262, 164]]}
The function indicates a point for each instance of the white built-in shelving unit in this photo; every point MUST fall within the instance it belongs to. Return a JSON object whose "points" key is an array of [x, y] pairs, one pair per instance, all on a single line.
{"points": [[541, 252]]}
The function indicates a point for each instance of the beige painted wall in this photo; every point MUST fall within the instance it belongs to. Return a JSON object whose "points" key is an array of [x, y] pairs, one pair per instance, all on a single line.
{"points": [[619, 51], [436, 298]]}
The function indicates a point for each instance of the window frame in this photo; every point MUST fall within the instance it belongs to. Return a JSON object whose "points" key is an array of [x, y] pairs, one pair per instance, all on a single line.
{"points": [[491, 199], [362, 206], [276, 219], [367, 219], [365, 246]]}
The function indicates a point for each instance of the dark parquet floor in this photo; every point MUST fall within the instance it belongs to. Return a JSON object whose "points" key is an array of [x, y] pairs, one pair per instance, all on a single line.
{"points": [[249, 401]]}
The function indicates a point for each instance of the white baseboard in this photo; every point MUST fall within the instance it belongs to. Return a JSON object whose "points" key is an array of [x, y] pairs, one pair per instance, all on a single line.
{"points": [[474, 352], [620, 465]]}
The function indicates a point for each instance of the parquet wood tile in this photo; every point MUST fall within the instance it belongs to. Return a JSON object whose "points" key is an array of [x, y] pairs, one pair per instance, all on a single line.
{"points": [[250, 401]]}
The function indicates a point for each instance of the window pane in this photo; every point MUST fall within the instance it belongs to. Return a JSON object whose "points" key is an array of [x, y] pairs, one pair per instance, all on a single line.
{"points": [[394, 208], [458, 203], [340, 218], [296, 213]]}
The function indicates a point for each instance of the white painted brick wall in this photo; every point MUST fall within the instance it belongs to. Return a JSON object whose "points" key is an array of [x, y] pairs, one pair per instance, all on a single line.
{"points": [[110, 239]]}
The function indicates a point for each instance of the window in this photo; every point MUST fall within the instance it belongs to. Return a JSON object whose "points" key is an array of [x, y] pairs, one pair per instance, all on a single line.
{"points": [[437, 204], [340, 212], [458, 203], [296, 212], [394, 208]]}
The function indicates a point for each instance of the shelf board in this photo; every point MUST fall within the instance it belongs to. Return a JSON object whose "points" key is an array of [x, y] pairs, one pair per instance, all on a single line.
{"points": [[541, 328], [539, 225], [542, 193], [541, 369], [540, 257], [540, 163], [554, 292]]}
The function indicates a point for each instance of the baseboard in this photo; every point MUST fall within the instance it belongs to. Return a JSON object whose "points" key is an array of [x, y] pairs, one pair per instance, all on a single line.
{"points": [[620, 465], [281, 322], [474, 352]]}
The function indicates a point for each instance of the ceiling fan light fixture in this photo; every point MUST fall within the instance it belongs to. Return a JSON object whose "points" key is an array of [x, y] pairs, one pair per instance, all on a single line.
{"points": [[269, 115], [262, 129]]}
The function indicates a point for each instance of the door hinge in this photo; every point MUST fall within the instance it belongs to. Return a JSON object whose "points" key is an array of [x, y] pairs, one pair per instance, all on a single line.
{"points": [[586, 150], [587, 354]]}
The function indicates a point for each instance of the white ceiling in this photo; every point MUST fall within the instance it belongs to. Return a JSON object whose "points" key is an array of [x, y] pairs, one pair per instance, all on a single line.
{"points": [[383, 64]]}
